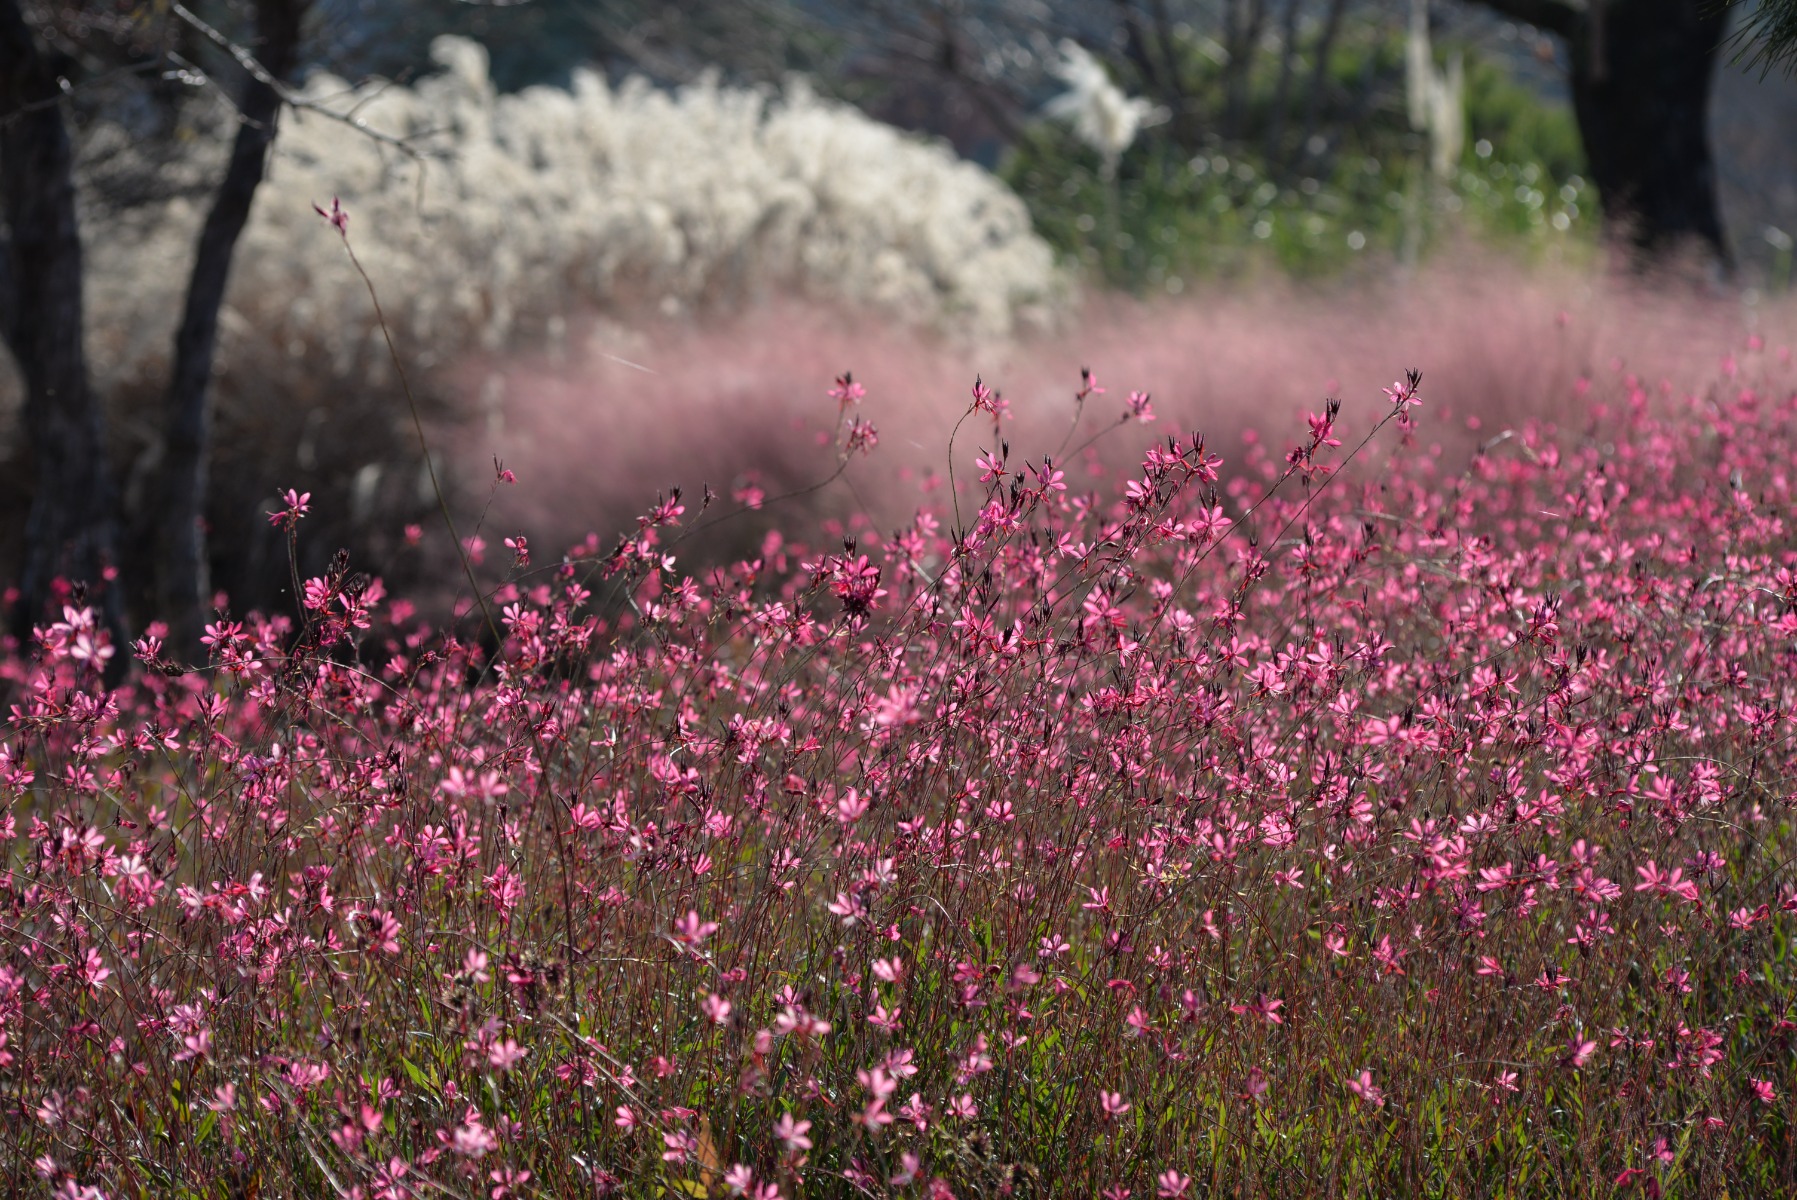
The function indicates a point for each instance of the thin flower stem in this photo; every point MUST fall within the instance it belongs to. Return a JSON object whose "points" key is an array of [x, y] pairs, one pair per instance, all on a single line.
{"points": [[430, 465]]}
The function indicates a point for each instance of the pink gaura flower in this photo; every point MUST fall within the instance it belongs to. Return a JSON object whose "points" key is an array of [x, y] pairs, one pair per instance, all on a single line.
{"points": [[1262, 1006], [1578, 1052], [692, 931], [847, 392], [338, 218], [1666, 883], [1362, 1085], [298, 504], [506, 1055], [792, 1132], [1171, 1185]]}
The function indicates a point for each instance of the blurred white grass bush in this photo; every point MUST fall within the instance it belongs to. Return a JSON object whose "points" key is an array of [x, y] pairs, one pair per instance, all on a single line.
{"points": [[549, 200]]}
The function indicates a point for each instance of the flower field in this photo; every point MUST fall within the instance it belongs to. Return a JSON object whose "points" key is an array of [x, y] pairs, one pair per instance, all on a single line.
{"points": [[1346, 819]]}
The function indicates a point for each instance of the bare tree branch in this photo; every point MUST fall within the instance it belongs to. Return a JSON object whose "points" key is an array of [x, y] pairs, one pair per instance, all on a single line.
{"points": [[294, 99], [181, 561], [70, 90], [1288, 53], [1319, 75], [9, 299], [69, 531]]}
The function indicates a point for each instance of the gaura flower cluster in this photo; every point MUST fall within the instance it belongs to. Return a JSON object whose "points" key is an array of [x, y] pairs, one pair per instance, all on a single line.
{"points": [[1346, 817]]}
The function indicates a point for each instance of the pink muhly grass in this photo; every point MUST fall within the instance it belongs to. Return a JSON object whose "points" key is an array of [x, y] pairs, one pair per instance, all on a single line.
{"points": [[628, 408]]}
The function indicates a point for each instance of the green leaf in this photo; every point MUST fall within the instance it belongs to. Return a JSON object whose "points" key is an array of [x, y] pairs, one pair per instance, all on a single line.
{"points": [[417, 1076]]}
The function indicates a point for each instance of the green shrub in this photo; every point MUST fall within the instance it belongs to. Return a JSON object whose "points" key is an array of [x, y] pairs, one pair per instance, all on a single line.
{"points": [[1174, 213]]}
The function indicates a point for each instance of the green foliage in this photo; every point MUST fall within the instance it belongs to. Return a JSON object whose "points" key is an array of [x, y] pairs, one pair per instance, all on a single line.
{"points": [[1768, 37], [1520, 124], [1172, 215]]}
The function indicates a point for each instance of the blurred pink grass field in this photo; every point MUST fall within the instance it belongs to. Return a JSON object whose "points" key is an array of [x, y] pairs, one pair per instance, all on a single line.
{"points": [[623, 413]]}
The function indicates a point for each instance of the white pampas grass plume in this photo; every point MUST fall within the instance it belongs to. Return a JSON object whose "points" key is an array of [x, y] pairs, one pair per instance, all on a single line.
{"points": [[1102, 116]]}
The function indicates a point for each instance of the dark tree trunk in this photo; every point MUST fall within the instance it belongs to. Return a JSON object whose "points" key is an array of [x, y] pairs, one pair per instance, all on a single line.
{"points": [[1241, 34], [181, 585], [1135, 44], [1169, 45], [1319, 79], [1288, 54], [1641, 92], [69, 531], [1641, 72]]}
